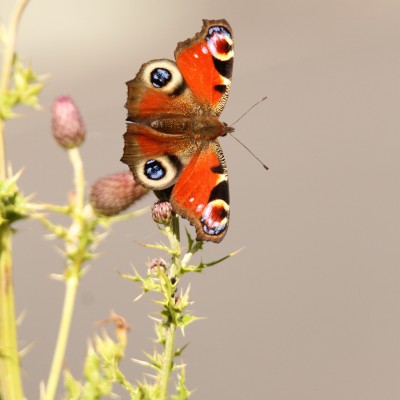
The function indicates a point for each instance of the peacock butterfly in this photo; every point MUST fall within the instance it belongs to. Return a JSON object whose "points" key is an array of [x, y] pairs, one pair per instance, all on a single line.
{"points": [[171, 143]]}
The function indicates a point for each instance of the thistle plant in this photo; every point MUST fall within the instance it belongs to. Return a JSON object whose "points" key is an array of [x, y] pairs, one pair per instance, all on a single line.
{"points": [[18, 85], [90, 210], [108, 197], [161, 278]]}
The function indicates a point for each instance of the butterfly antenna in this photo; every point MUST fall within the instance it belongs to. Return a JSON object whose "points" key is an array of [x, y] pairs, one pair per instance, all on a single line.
{"points": [[254, 105], [230, 133]]}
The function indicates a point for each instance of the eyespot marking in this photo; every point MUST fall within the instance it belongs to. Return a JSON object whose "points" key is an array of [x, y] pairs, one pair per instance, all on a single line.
{"points": [[163, 75], [154, 170], [220, 31], [214, 219], [159, 172], [220, 43], [160, 77]]}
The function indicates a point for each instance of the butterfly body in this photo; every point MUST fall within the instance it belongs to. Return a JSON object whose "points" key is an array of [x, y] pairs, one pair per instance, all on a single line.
{"points": [[171, 143]]}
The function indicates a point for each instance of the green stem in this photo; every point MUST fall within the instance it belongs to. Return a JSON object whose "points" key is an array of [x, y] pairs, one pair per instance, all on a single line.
{"points": [[10, 373], [120, 377], [72, 283], [79, 179], [75, 248], [168, 357], [10, 46], [175, 228], [169, 350], [174, 240], [187, 257], [3, 172], [6, 71]]}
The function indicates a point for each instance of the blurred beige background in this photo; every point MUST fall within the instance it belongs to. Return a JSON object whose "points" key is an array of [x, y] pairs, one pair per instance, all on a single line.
{"points": [[310, 309]]}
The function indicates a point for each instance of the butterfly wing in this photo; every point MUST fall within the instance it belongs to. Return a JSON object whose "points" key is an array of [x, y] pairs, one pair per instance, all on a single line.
{"points": [[201, 75], [156, 159], [206, 63], [159, 92], [198, 175], [201, 193], [170, 143]]}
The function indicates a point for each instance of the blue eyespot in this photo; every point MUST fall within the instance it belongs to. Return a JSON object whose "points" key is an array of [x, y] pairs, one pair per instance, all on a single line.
{"points": [[220, 30], [154, 170], [215, 217], [159, 77]]}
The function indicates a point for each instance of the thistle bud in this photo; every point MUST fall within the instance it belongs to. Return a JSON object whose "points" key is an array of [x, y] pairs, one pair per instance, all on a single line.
{"points": [[68, 127], [157, 264], [112, 194], [162, 212]]}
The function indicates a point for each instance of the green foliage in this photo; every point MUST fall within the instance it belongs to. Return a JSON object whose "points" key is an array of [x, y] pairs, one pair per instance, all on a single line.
{"points": [[101, 371], [72, 386], [174, 314], [13, 205], [26, 86], [182, 392]]}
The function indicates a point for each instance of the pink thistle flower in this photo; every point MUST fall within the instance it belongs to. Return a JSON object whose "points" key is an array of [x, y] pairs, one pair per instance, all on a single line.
{"points": [[162, 212], [114, 193], [68, 127], [156, 265]]}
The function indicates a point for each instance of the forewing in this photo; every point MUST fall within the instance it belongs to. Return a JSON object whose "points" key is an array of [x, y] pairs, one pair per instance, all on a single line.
{"points": [[206, 63], [158, 91]]}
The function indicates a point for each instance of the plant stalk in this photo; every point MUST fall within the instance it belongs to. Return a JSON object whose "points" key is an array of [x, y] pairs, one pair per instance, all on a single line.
{"points": [[6, 71], [79, 180], [10, 373], [3, 167], [168, 357], [72, 284], [174, 240], [169, 349], [75, 248]]}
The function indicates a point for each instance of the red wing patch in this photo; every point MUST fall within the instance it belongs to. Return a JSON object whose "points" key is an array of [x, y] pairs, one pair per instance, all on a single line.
{"points": [[206, 63], [156, 159], [149, 104], [201, 193]]}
